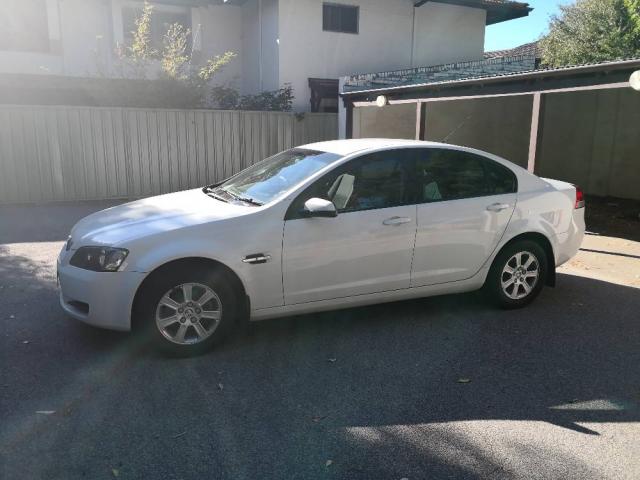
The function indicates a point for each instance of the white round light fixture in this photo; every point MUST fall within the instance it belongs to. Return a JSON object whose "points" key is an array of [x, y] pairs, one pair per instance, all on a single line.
{"points": [[381, 101], [635, 80]]}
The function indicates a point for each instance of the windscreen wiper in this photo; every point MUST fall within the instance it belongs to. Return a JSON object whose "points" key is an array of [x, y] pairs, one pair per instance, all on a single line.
{"points": [[211, 192], [217, 197], [250, 201]]}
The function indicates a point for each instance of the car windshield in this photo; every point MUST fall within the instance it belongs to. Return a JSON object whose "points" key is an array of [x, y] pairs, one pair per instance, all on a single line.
{"points": [[264, 181]]}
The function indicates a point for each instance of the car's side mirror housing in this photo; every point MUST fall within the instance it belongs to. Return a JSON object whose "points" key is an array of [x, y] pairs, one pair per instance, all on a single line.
{"points": [[318, 207]]}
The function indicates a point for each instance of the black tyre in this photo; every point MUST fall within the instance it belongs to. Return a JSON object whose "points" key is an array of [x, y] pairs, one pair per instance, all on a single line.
{"points": [[517, 274], [188, 310]]}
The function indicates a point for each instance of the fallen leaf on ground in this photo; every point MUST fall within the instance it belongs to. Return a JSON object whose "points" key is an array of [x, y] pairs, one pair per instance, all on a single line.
{"points": [[115, 472], [329, 463], [464, 380], [221, 386], [332, 360]]}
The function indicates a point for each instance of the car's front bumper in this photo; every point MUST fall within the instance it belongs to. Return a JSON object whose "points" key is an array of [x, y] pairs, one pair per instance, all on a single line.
{"points": [[98, 298]]}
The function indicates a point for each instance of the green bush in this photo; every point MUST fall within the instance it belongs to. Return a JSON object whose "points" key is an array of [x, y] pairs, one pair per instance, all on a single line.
{"points": [[228, 98]]}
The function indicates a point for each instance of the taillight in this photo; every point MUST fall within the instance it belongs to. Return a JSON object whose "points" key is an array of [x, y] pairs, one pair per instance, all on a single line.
{"points": [[579, 197]]}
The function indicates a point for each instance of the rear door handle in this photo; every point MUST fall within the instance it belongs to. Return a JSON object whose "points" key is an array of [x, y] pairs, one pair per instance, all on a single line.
{"points": [[498, 207], [395, 221]]}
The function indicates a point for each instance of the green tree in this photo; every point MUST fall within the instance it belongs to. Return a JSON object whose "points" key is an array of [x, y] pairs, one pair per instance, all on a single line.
{"points": [[176, 62], [140, 48], [633, 10], [179, 79], [180, 82], [592, 31]]}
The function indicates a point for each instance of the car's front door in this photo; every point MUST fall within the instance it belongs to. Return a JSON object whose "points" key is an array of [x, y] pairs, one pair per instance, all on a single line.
{"points": [[465, 202], [367, 248]]}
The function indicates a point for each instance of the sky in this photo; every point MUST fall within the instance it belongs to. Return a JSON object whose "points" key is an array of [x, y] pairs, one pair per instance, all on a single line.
{"points": [[523, 30]]}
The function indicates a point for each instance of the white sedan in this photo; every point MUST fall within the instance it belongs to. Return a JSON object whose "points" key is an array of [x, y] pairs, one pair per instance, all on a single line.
{"points": [[323, 226]]}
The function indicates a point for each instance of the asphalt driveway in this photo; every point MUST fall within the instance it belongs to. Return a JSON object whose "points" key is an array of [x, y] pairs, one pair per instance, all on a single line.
{"points": [[444, 387]]}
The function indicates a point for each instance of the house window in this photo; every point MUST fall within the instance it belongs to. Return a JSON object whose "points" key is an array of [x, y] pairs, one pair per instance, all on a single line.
{"points": [[340, 18], [24, 26], [162, 17]]}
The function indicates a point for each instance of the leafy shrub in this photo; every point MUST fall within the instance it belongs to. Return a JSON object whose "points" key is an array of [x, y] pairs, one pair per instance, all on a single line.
{"points": [[228, 98]]}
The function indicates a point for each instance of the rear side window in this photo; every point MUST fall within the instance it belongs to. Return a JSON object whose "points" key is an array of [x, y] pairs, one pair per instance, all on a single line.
{"points": [[443, 174], [501, 180]]}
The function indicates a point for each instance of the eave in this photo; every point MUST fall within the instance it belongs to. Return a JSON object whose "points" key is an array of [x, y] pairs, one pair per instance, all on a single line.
{"points": [[497, 10]]}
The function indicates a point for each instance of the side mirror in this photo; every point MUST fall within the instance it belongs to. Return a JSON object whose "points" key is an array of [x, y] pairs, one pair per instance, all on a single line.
{"points": [[318, 207]]}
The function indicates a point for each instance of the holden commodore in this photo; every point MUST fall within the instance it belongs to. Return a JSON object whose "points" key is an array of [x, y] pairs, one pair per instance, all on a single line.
{"points": [[323, 226]]}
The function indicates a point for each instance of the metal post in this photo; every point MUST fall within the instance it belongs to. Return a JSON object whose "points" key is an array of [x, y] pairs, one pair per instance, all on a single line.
{"points": [[535, 132], [421, 118], [349, 120]]}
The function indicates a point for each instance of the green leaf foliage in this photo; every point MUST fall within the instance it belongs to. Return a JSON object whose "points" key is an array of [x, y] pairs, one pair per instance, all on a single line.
{"points": [[183, 83], [592, 31]]}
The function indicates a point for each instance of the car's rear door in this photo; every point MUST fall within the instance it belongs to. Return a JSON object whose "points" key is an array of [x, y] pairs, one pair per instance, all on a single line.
{"points": [[367, 248], [465, 202]]}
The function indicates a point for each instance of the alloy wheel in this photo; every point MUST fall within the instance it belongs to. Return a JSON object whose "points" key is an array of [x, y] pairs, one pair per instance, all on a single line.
{"points": [[520, 275], [189, 313]]}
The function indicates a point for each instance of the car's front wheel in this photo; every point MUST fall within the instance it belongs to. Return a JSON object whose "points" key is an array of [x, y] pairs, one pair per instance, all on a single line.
{"points": [[189, 310], [517, 274]]}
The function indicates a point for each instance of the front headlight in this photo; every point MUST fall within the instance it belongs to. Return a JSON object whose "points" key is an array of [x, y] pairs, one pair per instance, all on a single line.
{"points": [[99, 259]]}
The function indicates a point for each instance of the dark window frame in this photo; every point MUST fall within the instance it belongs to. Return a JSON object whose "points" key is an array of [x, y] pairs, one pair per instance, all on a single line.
{"points": [[340, 29], [484, 161], [295, 207]]}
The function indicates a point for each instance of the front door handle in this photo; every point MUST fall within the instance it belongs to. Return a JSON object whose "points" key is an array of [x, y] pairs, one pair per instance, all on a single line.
{"points": [[498, 207], [395, 221]]}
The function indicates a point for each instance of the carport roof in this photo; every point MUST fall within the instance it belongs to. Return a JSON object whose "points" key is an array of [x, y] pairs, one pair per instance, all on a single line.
{"points": [[506, 82]]}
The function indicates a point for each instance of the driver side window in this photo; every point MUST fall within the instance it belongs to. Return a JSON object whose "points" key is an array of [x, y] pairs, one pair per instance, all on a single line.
{"points": [[374, 181]]}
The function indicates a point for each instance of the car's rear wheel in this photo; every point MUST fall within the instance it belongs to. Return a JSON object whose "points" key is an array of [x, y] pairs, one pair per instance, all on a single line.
{"points": [[517, 274], [189, 310]]}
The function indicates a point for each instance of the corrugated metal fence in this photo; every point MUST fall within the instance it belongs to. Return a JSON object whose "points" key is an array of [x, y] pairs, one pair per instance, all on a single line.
{"points": [[91, 153]]}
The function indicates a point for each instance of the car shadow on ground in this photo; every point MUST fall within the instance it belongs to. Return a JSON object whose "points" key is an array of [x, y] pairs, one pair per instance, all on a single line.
{"points": [[371, 381]]}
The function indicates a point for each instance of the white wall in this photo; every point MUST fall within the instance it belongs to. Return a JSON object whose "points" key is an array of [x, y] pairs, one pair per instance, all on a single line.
{"points": [[87, 35], [444, 33], [260, 62], [38, 62], [84, 34], [270, 48], [221, 31], [250, 47], [277, 41], [448, 33]]}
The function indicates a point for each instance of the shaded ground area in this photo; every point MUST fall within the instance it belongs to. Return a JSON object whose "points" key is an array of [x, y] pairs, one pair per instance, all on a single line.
{"points": [[614, 217], [444, 387]]}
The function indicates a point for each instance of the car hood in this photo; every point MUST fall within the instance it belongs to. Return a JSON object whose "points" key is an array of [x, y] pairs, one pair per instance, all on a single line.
{"points": [[149, 216]]}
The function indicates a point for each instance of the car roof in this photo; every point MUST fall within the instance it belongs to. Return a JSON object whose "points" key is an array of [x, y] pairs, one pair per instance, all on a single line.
{"points": [[347, 147]]}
